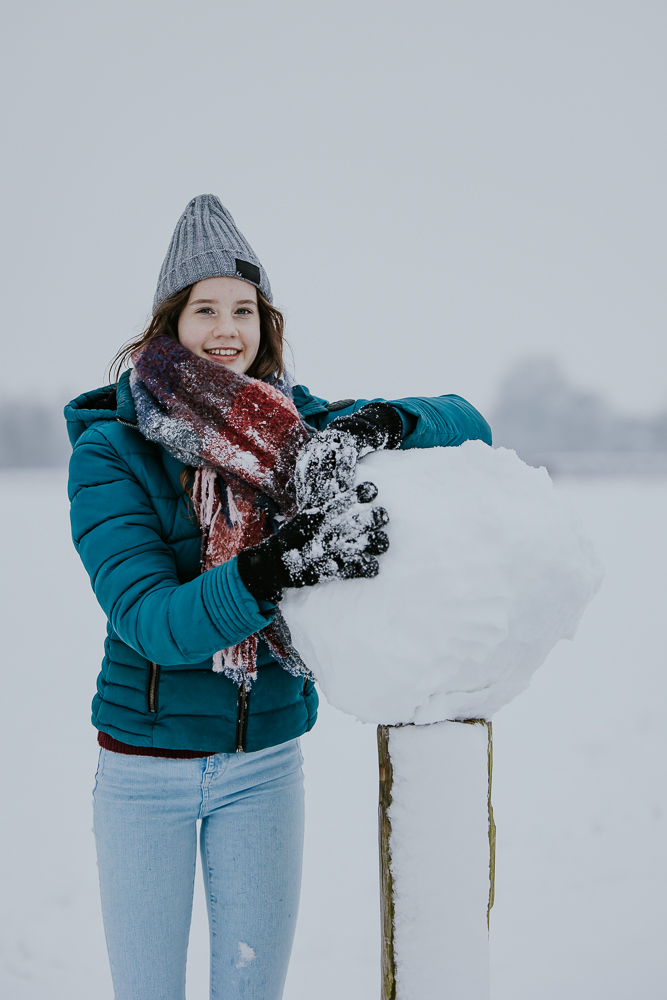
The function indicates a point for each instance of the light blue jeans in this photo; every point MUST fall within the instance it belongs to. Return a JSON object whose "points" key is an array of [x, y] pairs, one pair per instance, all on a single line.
{"points": [[251, 811]]}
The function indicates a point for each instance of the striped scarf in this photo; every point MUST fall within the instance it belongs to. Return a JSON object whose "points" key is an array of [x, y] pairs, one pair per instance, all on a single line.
{"points": [[242, 436]]}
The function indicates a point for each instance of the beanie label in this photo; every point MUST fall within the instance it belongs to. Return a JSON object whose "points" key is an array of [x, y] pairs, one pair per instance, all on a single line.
{"points": [[248, 271]]}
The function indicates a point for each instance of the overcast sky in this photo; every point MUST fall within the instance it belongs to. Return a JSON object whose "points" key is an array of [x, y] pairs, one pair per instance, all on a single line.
{"points": [[436, 189]]}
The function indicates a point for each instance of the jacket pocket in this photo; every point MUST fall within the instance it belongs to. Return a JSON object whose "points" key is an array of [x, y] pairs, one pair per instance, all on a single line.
{"points": [[152, 687]]}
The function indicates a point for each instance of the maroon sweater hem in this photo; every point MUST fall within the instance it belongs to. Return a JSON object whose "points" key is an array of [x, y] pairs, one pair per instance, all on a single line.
{"points": [[109, 743]]}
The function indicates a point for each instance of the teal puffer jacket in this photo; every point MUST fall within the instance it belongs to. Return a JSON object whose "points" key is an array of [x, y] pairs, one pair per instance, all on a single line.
{"points": [[140, 544]]}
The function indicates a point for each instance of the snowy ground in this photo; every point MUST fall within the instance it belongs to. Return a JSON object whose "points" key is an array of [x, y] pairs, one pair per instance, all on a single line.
{"points": [[579, 791]]}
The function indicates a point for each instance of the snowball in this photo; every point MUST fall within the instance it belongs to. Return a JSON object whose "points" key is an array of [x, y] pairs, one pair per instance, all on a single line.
{"points": [[487, 570]]}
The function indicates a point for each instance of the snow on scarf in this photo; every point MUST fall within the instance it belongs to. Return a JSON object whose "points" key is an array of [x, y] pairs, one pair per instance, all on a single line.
{"points": [[242, 436]]}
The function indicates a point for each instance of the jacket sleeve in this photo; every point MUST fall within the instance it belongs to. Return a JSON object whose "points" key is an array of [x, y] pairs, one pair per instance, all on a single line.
{"points": [[133, 573], [427, 422]]}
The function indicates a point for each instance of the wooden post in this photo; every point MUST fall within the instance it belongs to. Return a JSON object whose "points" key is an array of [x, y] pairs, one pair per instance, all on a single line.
{"points": [[455, 783], [386, 882]]}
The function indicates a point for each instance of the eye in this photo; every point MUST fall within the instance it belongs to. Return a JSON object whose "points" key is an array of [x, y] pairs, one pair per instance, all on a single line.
{"points": [[243, 310], [205, 311]]}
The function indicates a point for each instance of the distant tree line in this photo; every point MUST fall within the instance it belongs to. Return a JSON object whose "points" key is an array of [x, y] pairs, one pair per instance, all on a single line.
{"points": [[32, 434], [544, 418], [539, 410], [539, 413]]}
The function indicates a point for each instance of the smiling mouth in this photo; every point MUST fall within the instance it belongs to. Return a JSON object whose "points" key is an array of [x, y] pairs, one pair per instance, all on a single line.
{"points": [[223, 352]]}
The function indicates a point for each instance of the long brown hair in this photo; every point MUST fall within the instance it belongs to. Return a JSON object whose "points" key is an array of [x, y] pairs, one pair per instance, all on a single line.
{"points": [[269, 360]]}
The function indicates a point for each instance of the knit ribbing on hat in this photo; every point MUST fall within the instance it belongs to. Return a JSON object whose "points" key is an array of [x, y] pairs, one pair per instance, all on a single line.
{"points": [[207, 244]]}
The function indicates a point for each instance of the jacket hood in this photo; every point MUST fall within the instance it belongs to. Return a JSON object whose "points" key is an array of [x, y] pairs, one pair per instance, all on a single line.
{"points": [[111, 402]]}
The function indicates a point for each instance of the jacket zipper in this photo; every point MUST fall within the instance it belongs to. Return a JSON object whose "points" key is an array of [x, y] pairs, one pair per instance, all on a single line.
{"points": [[151, 694], [242, 718]]}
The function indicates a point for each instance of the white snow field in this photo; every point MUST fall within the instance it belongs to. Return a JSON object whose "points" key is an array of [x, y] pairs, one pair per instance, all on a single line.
{"points": [[579, 793], [486, 571]]}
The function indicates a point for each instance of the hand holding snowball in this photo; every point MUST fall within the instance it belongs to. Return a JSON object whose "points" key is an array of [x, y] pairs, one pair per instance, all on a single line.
{"points": [[336, 541], [326, 466]]}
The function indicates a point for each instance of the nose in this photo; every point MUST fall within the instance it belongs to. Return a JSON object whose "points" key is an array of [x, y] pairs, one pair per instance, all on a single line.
{"points": [[225, 326]]}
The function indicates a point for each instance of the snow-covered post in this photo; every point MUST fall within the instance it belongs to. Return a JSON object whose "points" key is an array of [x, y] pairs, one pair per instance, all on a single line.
{"points": [[486, 571], [437, 853]]}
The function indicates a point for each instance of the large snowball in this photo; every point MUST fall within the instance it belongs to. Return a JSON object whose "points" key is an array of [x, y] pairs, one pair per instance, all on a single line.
{"points": [[486, 572]]}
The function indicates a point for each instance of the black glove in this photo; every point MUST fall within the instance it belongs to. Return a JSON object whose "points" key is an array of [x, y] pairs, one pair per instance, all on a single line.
{"points": [[326, 466], [328, 543], [374, 426]]}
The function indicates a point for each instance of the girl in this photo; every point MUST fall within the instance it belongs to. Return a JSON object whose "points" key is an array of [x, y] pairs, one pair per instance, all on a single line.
{"points": [[202, 484]]}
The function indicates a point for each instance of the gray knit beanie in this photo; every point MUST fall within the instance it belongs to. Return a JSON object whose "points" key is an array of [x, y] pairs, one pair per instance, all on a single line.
{"points": [[207, 244]]}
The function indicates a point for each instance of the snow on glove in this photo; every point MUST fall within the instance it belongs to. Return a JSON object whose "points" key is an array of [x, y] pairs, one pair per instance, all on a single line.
{"points": [[326, 543], [374, 427], [325, 467]]}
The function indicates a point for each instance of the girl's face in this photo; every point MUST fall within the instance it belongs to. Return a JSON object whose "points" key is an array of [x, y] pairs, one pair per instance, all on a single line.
{"points": [[221, 322]]}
